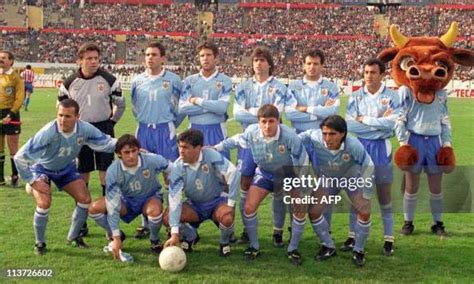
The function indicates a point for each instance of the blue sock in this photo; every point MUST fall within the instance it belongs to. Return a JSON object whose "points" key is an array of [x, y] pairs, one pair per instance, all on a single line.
{"points": [[251, 226], [409, 206], [279, 213], [436, 202], [328, 215], [352, 222], [144, 221], [226, 232], [101, 220], [387, 218], [40, 220], [188, 232], [79, 217], [154, 223], [321, 228], [362, 233], [297, 229]]}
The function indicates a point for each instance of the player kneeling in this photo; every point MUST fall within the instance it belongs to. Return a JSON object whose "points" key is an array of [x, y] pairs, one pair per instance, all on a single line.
{"points": [[202, 174], [132, 189]]}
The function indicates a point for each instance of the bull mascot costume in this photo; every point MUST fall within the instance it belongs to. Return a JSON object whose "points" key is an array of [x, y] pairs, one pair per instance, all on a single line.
{"points": [[422, 67]]}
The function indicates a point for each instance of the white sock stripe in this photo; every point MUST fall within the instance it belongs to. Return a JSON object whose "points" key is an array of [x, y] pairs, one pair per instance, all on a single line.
{"points": [[364, 223], [437, 196], [82, 205], [96, 216], [318, 221], [42, 211], [299, 221], [224, 228], [251, 216], [410, 196], [155, 219], [386, 206]]}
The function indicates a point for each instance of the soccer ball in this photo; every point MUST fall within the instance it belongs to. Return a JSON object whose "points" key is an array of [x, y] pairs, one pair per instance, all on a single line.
{"points": [[172, 259]]}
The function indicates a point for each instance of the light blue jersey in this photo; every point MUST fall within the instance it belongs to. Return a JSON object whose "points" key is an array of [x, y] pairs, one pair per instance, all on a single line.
{"points": [[54, 150], [423, 119], [155, 98], [251, 95], [201, 182], [213, 95], [270, 154], [302, 93], [380, 112], [350, 160], [135, 183]]}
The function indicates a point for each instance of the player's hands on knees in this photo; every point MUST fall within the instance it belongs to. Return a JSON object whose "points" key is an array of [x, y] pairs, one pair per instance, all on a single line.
{"points": [[116, 246], [6, 120], [172, 241], [41, 186]]}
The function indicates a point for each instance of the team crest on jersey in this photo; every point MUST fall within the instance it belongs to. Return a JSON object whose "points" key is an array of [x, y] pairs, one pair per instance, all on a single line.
{"points": [[205, 168], [271, 91], [346, 157], [80, 140], [324, 92], [281, 148], [166, 85], [100, 87], [219, 84], [146, 173], [9, 91], [384, 101]]}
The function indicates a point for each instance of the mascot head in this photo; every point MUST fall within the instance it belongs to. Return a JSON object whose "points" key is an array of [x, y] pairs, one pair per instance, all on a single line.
{"points": [[425, 64]]}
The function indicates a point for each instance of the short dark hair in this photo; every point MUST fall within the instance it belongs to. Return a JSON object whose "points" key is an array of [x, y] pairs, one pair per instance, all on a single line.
{"points": [[28, 67], [88, 46], [68, 103], [10, 54], [125, 140], [261, 51], [192, 136], [156, 44], [267, 111], [335, 122], [314, 53], [376, 61], [208, 44]]}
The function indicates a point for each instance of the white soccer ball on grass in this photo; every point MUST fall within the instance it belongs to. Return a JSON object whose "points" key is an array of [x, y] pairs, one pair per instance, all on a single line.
{"points": [[172, 259]]}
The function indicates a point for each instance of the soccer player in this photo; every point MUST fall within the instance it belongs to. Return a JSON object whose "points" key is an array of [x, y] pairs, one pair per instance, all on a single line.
{"points": [[202, 175], [28, 77], [12, 92], [262, 89], [205, 97], [371, 115], [426, 128], [312, 99], [336, 155], [99, 96], [132, 188], [155, 97], [275, 149], [50, 156]]}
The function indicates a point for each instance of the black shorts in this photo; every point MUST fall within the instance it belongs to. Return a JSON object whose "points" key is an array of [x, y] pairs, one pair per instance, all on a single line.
{"points": [[10, 129], [90, 160]]}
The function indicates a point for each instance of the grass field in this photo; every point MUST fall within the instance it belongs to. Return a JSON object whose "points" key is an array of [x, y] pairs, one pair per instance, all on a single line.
{"points": [[422, 257]]}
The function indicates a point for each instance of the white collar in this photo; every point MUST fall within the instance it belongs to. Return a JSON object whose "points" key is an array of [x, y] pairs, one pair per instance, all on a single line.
{"points": [[379, 91], [264, 82], [195, 165], [319, 81], [210, 77], [334, 152], [131, 170], [67, 135], [155, 76], [8, 72], [271, 139]]}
